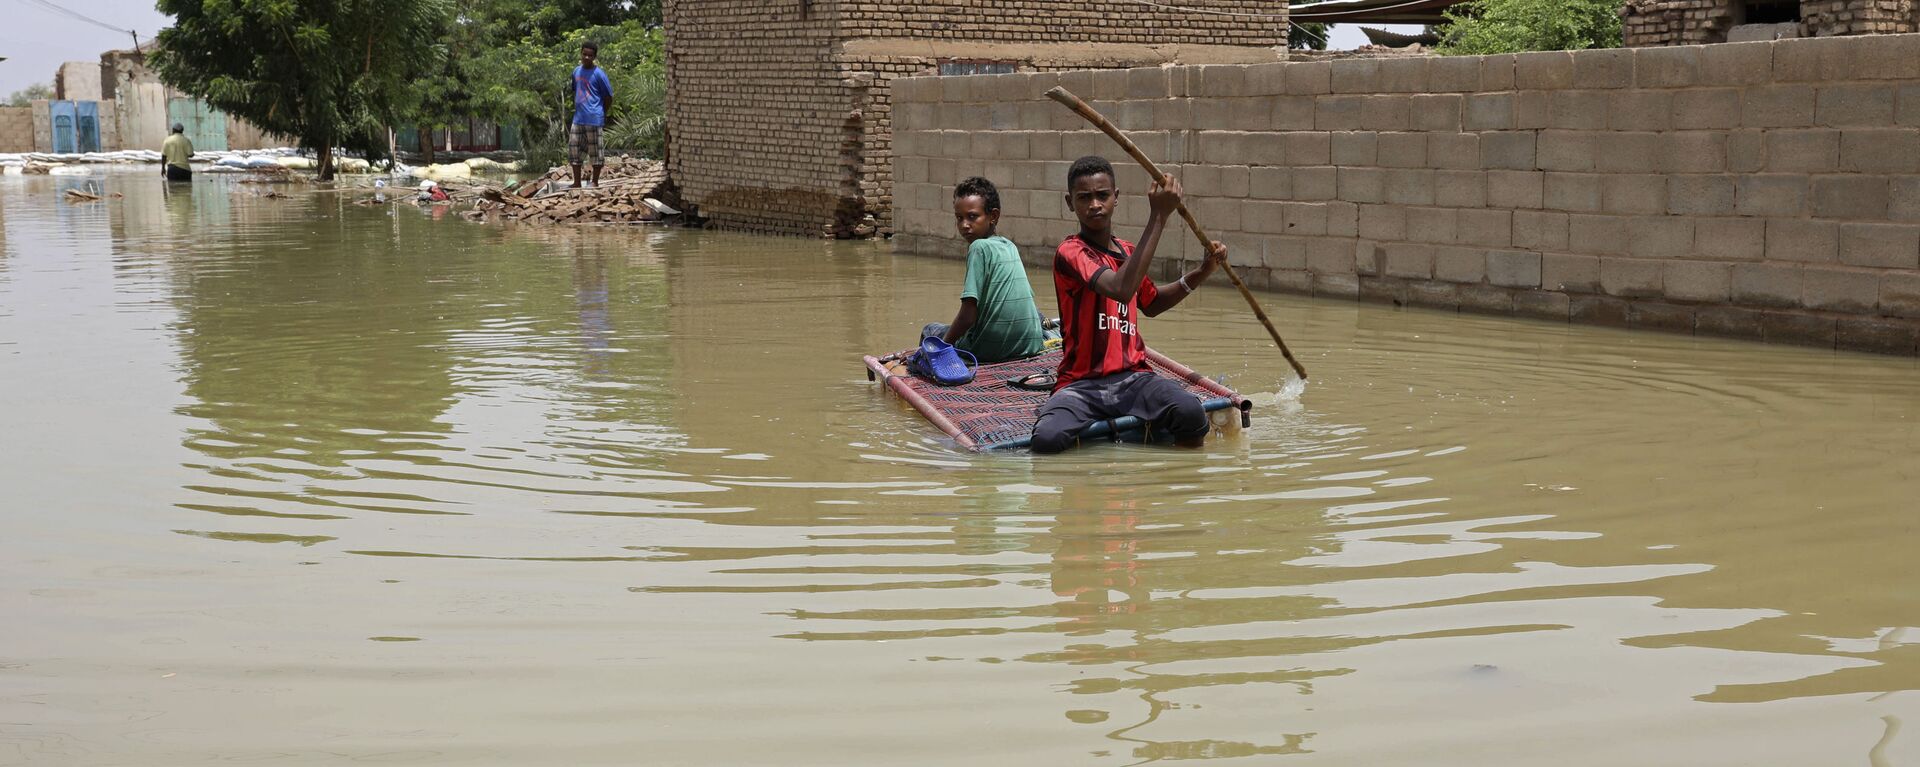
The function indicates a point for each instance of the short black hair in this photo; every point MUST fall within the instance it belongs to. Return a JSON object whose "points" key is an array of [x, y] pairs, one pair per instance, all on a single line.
{"points": [[979, 187], [590, 46], [1090, 165]]}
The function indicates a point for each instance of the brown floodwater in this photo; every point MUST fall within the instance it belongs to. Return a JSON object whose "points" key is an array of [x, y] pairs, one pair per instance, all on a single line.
{"points": [[300, 481]]}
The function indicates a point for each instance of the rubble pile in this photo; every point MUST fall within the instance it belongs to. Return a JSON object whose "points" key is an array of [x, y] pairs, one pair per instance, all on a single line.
{"points": [[630, 191]]}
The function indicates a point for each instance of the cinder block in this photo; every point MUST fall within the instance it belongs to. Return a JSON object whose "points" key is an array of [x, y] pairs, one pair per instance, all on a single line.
{"points": [[1405, 75], [1496, 72], [1455, 74], [1626, 152], [1855, 105], [1778, 106], [1270, 183], [1569, 273], [1542, 305], [1578, 192], [1746, 151], [1266, 79], [1308, 148], [1436, 112], [1601, 235], [1854, 197], [1318, 183], [1360, 185], [1660, 236], [1694, 152], [1565, 150], [1291, 112], [1840, 290], [1410, 186], [1579, 110], [1768, 285], [1810, 59], [1468, 189], [1409, 260], [1488, 111], [1455, 264], [1650, 315], [1337, 113], [1604, 68], [1700, 195], [1220, 82], [1485, 299], [1900, 294], [1644, 110], [1402, 150], [1728, 322], [1513, 268], [1906, 108], [1880, 336], [1459, 151], [1491, 227], [1330, 256], [1904, 201], [1885, 246], [1706, 109], [1383, 222], [1352, 148], [1309, 78], [1814, 150], [1148, 83], [1548, 70], [1532, 110], [1632, 277], [1343, 219], [1336, 285], [1638, 194], [1803, 241], [1285, 253], [1355, 76], [1730, 239], [1771, 195], [1736, 64], [1264, 216], [1515, 189], [1509, 150], [1108, 84], [1250, 114], [1539, 230], [1887, 57], [1385, 113], [1798, 328], [1676, 67], [1306, 219], [1705, 281], [1598, 310], [1433, 225], [1880, 150], [1369, 259]]}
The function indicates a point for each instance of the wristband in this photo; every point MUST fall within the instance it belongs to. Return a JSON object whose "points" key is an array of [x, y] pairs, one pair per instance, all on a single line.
{"points": [[1184, 285]]}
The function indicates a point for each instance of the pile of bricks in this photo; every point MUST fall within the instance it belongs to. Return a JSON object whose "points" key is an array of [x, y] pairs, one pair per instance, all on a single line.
{"points": [[625, 184], [1767, 190]]}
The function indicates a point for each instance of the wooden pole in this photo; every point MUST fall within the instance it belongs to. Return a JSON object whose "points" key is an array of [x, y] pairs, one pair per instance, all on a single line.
{"points": [[1081, 108]]}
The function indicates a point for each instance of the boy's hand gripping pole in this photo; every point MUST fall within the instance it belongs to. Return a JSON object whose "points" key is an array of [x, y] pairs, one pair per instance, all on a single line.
{"points": [[1079, 107]]}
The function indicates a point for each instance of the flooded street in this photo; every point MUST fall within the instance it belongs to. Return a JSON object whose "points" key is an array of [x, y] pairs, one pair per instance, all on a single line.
{"points": [[300, 481]]}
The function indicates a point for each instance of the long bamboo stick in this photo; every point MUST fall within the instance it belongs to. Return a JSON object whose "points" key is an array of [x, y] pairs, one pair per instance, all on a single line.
{"points": [[1081, 108]]}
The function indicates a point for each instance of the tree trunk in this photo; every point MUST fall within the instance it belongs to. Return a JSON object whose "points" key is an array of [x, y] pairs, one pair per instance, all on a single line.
{"points": [[326, 162], [426, 145]]}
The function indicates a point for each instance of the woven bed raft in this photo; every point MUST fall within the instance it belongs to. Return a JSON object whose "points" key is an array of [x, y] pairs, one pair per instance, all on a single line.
{"points": [[987, 414]]}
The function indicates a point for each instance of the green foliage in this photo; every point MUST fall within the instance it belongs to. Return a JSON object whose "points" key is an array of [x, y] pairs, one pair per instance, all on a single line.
{"points": [[332, 73], [1311, 36], [643, 130], [1512, 26], [26, 96]]}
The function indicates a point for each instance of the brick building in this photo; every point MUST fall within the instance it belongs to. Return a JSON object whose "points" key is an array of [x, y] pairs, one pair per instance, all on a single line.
{"points": [[1695, 22], [779, 112]]}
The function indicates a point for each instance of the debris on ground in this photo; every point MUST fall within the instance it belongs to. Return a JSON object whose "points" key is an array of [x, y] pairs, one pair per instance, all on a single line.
{"points": [[75, 195], [631, 191]]}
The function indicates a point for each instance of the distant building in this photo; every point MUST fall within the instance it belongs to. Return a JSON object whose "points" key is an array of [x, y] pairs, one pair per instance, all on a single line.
{"points": [[1694, 22], [779, 117]]}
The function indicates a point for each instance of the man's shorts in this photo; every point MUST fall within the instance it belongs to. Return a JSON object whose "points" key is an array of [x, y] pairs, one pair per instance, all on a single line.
{"points": [[584, 140]]}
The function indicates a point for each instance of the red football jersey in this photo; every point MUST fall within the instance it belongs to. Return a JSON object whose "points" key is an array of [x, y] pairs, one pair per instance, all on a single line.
{"points": [[1102, 336]]}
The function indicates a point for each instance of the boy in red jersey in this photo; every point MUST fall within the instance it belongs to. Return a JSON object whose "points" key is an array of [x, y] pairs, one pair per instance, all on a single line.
{"points": [[1101, 283]]}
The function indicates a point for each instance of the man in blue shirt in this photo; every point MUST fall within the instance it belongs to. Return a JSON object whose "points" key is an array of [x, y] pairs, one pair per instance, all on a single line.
{"points": [[592, 100]]}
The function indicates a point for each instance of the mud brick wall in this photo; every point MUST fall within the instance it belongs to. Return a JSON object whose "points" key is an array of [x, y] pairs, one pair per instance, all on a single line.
{"points": [[16, 129], [1696, 22], [1763, 190], [780, 116]]}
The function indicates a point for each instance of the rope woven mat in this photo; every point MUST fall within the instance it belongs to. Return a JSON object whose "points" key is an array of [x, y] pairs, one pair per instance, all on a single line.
{"points": [[990, 412]]}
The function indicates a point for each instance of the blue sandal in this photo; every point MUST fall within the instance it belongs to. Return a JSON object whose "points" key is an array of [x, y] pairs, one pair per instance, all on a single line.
{"points": [[939, 362]]}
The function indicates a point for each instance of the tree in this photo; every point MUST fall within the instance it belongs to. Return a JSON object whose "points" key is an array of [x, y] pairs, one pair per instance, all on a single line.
{"points": [[1512, 26], [1311, 36], [332, 73], [26, 96]]}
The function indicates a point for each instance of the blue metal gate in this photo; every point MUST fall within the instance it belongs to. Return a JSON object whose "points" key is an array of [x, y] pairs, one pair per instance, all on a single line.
{"points": [[76, 126], [87, 125]]}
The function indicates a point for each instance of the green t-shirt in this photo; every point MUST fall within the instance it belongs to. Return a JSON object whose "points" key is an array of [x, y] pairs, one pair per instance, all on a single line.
{"points": [[1009, 323]]}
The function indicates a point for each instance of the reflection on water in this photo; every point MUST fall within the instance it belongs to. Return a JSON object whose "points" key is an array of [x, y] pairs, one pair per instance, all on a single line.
{"points": [[299, 479]]}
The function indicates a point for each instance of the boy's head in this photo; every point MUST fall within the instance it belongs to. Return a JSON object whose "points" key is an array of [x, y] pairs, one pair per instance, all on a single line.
{"points": [[589, 52], [1091, 193], [976, 208]]}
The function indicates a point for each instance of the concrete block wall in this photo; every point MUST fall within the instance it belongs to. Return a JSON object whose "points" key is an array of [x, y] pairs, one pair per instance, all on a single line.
{"points": [[16, 129], [1764, 190]]}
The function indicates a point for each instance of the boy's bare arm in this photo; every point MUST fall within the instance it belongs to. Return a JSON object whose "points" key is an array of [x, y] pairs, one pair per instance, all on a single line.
{"points": [[1121, 285], [1171, 295], [963, 321]]}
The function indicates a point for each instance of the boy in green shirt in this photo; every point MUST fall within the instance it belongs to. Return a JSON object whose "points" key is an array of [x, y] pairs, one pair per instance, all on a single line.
{"points": [[998, 320]]}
